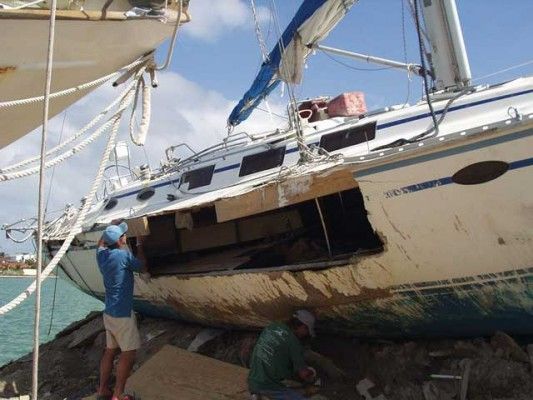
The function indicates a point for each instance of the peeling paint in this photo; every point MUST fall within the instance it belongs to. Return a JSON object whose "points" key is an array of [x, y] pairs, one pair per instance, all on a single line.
{"points": [[6, 70], [292, 188]]}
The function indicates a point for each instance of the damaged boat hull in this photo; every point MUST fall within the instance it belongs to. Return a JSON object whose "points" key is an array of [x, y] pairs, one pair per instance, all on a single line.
{"points": [[456, 223]]}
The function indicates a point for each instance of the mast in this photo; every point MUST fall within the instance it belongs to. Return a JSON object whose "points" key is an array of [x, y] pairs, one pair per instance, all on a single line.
{"points": [[448, 53]]}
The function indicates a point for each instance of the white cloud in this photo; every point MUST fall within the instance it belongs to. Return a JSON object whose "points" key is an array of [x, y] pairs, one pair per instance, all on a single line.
{"points": [[182, 111], [213, 18]]}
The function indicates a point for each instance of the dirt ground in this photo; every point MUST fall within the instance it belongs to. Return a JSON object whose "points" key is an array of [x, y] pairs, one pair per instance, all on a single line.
{"points": [[496, 368]]}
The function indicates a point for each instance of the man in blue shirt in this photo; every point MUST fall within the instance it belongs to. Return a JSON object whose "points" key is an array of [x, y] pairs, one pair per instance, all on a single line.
{"points": [[117, 264]]}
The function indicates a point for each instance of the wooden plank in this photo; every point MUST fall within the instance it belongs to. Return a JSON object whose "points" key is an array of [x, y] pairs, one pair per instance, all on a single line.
{"points": [[138, 226], [177, 374], [280, 194]]}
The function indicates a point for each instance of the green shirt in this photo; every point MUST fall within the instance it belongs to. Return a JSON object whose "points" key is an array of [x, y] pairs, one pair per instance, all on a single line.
{"points": [[277, 355]]}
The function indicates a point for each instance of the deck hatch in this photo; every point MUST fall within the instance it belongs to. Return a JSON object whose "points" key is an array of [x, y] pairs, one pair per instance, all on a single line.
{"points": [[262, 161], [348, 137], [198, 177]]}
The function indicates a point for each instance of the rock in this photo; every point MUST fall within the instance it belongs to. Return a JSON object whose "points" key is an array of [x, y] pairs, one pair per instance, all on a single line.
{"points": [[464, 349], [363, 388], [8, 389], [440, 353], [432, 392], [152, 335], [87, 333], [465, 365], [508, 348], [78, 324], [100, 341]]}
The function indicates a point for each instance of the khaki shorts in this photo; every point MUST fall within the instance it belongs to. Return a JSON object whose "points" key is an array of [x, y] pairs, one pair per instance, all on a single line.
{"points": [[122, 332]]}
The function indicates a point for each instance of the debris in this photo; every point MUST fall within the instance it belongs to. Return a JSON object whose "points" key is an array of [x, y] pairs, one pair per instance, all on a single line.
{"points": [[180, 371], [506, 345], [439, 376], [204, 336], [440, 353], [87, 333], [152, 335], [363, 388], [465, 365], [395, 370], [432, 392], [318, 397], [78, 324]]}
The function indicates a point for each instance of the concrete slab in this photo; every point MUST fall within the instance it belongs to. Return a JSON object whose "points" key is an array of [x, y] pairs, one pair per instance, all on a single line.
{"points": [[177, 374]]}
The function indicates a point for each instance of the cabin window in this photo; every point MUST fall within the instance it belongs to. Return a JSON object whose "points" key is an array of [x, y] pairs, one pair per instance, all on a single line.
{"points": [[262, 161], [110, 204], [145, 194], [198, 177], [348, 137]]}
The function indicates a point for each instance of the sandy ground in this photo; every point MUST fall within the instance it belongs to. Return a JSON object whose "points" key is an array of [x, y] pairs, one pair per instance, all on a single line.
{"points": [[496, 368]]}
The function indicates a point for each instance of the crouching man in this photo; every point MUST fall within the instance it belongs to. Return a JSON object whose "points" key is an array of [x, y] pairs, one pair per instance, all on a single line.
{"points": [[278, 355], [117, 264]]}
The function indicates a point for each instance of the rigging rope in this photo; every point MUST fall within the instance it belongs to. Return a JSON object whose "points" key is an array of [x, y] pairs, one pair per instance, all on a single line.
{"points": [[140, 138], [70, 152], [504, 70], [172, 41], [258, 33], [80, 133], [40, 207], [76, 228], [96, 82]]}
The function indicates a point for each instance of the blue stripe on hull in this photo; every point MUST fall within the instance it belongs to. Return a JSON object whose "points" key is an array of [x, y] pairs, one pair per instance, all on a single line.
{"points": [[503, 305], [444, 153]]}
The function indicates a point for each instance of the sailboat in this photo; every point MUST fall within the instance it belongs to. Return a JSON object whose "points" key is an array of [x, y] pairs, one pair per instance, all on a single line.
{"points": [[93, 39], [401, 221]]}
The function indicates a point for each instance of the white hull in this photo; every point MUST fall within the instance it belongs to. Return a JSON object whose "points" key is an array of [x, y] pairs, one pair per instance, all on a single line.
{"points": [[457, 252], [84, 50]]}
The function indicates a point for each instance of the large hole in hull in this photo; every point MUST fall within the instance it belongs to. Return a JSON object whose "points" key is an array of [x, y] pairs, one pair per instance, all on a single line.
{"points": [[292, 236]]}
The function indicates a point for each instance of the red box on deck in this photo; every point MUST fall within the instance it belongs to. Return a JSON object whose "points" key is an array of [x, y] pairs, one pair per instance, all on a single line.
{"points": [[349, 104]]}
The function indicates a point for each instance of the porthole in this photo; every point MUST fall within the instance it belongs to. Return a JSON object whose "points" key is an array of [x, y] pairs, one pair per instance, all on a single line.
{"points": [[480, 172], [110, 203], [145, 194]]}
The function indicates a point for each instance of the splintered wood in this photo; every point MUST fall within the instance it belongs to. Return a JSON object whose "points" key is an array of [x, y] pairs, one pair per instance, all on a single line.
{"points": [[177, 374], [283, 193]]}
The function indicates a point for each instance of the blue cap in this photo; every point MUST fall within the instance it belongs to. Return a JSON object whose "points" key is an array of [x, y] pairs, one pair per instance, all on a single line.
{"points": [[113, 233]]}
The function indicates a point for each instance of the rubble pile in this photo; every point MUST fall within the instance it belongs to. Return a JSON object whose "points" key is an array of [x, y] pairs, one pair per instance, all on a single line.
{"points": [[496, 368]]}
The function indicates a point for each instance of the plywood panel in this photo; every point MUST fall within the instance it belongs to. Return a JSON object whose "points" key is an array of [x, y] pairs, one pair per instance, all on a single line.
{"points": [[283, 193], [177, 374]]}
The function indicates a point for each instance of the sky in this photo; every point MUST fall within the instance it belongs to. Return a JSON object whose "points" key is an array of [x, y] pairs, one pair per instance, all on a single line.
{"points": [[215, 60]]}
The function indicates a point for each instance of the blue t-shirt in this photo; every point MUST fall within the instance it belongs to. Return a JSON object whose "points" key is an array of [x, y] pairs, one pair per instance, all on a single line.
{"points": [[117, 266]]}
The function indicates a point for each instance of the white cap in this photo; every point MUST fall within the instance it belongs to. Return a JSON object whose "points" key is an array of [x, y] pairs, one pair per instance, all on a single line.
{"points": [[306, 318]]}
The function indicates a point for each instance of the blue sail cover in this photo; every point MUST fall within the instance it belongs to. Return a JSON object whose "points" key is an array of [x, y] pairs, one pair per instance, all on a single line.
{"points": [[312, 22]]}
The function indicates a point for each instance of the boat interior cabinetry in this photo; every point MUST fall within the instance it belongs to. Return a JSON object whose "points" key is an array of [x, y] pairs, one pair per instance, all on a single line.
{"points": [[194, 242]]}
